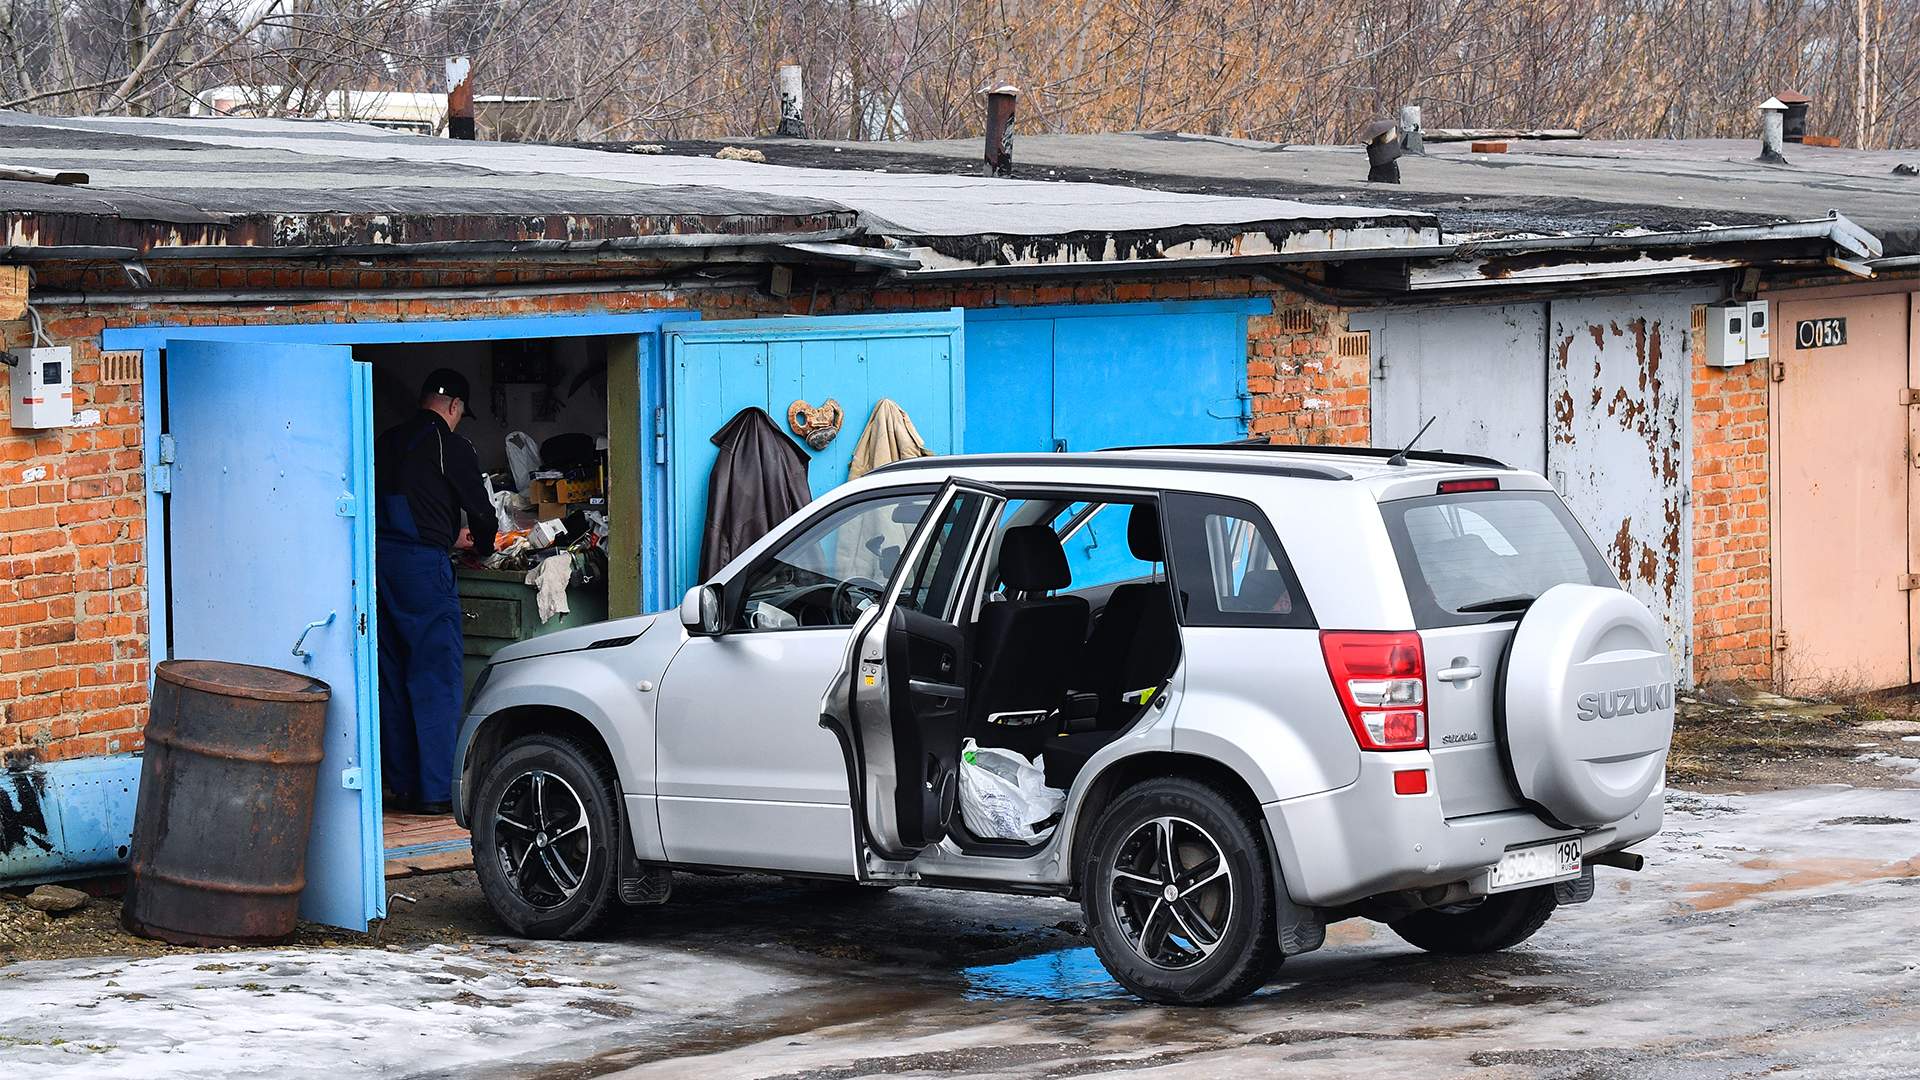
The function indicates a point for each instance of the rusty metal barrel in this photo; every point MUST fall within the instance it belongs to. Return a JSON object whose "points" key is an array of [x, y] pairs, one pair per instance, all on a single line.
{"points": [[219, 850]]}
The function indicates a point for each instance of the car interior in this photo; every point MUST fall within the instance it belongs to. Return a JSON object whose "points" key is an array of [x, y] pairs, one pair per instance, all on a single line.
{"points": [[1063, 667]]}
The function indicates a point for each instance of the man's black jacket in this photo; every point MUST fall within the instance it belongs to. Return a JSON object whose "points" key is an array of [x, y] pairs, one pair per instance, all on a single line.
{"points": [[438, 472]]}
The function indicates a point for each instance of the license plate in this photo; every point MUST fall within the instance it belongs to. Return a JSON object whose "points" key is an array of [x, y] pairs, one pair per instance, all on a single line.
{"points": [[1533, 865]]}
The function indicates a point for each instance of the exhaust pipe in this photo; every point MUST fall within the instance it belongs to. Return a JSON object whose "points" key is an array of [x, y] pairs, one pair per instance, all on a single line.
{"points": [[1772, 131], [1624, 860]]}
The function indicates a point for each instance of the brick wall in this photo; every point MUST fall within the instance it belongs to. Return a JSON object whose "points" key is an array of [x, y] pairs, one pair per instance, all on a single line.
{"points": [[73, 619], [73, 625], [1732, 531]]}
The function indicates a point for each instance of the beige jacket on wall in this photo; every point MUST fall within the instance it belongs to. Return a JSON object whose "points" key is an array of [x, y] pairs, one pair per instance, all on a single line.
{"points": [[889, 437]]}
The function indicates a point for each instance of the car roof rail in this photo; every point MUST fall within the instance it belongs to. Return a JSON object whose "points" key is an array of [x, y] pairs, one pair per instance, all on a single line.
{"points": [[1297, 470], [1443, 456]]}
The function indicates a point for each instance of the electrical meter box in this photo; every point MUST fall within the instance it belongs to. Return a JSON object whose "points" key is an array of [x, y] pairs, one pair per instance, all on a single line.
{"points": [[1726, 335], [1759, 337], [41, 381]]}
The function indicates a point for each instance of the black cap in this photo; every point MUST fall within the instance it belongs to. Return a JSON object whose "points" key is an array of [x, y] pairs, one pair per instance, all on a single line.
{"points": [[445, 381]]}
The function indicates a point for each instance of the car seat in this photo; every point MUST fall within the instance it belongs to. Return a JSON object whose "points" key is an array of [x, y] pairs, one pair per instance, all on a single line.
{"points": [[1027, 642]]}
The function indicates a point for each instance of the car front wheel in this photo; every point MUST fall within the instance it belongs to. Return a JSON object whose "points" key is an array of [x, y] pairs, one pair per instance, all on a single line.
{"points": [[1178, 895], [545, 835]]}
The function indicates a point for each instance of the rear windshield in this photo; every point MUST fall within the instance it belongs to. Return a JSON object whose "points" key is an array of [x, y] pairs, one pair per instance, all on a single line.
{"points": [[1476, 557]]}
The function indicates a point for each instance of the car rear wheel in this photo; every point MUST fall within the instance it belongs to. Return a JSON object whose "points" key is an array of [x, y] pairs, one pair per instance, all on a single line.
{"points": [[1178, 895], [546, 826], [1500, 921]]}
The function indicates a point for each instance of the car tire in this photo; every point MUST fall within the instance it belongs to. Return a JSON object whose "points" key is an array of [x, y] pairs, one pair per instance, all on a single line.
{"points": [[546, 829], [1501, 921], [1160, 950]]}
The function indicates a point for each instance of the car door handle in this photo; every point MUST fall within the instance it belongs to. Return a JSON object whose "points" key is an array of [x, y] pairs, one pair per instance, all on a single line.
{"points": [[1463, 674], [949, 691]]}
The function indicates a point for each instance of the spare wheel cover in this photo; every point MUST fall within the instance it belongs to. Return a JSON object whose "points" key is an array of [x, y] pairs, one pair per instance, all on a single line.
{"points": [[1587, 706]]}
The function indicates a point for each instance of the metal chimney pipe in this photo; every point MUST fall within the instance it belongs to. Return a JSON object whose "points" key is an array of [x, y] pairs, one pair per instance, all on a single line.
{"points": [[1000, 102], [1410, 137], [460, 98], [1384, 147], [1772, 131], [793, 104]]}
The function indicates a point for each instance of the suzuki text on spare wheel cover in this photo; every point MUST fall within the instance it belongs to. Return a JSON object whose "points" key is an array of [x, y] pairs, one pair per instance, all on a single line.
{"points": [[1288, 686]]}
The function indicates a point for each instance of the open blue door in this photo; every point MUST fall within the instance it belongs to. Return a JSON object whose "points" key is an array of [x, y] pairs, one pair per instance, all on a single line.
{"points": [[270, 542], [715, 369]]}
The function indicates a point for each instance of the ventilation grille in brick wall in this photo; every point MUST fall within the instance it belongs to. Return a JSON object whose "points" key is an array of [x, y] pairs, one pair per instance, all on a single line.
{"points": [[120, 368], [1359, 344], [1296, 320], [1699, 320]]}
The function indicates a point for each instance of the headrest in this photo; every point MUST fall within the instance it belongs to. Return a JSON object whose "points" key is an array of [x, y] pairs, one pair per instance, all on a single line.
{"points": [[1032, 560], [1143, 533]]}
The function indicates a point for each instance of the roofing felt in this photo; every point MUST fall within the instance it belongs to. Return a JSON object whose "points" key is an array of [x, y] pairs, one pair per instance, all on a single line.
{"points": [[248, 165], [1536, 187]]}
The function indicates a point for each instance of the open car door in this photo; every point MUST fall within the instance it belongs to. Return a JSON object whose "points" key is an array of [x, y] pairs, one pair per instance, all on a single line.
{"points": [[899, 700]]}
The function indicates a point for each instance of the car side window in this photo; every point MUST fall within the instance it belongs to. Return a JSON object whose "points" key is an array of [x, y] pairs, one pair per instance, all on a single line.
{"points": [[934, 581], [835, 568], [1228, 567], [1096, 545]]}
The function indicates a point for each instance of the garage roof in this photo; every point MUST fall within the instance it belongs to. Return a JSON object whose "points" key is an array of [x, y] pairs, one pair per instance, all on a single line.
{"points": [[292, 184]]}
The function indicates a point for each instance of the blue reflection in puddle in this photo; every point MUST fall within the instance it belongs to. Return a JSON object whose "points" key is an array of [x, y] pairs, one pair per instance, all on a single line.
{"points": [[1066, 975]]}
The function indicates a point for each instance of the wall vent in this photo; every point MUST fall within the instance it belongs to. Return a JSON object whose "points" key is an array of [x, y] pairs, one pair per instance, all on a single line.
{"points": [[1359, 345], [120, 368], [1699, 318], [1296, 320]]}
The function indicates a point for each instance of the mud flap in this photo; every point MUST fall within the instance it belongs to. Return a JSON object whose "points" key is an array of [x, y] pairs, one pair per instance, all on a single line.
{"points": [[1575, 890], [1300, 929]]}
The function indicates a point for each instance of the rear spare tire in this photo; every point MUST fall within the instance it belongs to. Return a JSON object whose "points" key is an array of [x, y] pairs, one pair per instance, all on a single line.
{"points": [[1586, 705], [1178, 894]]}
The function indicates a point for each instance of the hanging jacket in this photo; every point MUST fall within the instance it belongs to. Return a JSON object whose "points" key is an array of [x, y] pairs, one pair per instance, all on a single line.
{"points": [[759, 481], [890, 436]]}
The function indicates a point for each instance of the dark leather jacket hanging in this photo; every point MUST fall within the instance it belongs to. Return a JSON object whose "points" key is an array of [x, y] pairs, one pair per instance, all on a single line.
{"points": [[758, 482]]}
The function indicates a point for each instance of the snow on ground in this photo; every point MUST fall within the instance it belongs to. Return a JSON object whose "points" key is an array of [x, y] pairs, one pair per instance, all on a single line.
{"points": [[351, 1012]]}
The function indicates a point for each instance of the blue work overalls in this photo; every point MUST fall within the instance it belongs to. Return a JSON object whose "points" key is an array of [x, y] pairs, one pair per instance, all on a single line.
{"points": [[420, 656]]}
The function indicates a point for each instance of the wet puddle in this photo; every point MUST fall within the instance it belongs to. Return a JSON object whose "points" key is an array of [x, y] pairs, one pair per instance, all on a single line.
{"points": [[1796, 874], [1063, 975]]}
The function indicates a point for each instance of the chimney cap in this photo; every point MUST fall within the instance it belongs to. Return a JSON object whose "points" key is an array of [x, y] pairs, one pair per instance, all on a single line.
{"points": [[1380, 131], [1004, 88], [1772, 104], [1792, 97]]}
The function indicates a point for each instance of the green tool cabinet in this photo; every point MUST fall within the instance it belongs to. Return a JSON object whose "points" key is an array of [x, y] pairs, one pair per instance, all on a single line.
{"points": [[498, 608]]}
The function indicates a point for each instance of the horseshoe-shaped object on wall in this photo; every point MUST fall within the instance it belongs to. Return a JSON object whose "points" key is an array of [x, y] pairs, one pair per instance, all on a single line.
{"points": [[817, 425]]}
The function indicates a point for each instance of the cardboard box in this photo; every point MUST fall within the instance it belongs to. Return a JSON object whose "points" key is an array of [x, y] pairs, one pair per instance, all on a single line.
{"points": [[565, 492], [550, 510]]}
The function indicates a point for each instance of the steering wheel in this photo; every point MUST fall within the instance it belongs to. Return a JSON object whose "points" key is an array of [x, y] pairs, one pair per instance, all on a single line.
{"points": [[848, 597]]}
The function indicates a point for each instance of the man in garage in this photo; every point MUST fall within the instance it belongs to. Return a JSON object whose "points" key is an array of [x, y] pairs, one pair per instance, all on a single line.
{"points": [[426, 479]]}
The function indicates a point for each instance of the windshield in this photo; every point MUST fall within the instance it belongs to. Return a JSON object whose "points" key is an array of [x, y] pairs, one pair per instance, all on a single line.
{"points": [[1472, 557]]}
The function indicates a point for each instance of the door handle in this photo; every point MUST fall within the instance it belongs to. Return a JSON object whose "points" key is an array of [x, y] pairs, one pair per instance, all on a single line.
{"points": [[302, 639], [929, 688], [1465, 673]]}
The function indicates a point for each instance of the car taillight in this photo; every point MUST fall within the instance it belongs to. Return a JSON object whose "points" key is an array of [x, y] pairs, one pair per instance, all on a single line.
{"points": [[1456, 487], [1381, 679]]}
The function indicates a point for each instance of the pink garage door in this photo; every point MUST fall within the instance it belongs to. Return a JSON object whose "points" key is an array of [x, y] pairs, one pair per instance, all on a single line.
{"points": [[1840, 491]]}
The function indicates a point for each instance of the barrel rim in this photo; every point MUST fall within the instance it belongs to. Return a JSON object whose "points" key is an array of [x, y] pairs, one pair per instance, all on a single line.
{"points": [[172, 671]]}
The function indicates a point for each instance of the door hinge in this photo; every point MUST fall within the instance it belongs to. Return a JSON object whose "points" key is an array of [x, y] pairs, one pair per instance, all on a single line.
{"points": [[1779, 641], [162, 480], [353, 779], [659, 436], [1910, 395], [1909, 582], [1779, 371], [345, 505], [363, 624]]}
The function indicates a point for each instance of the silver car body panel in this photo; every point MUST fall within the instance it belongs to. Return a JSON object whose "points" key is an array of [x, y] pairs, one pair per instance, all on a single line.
{"points": [[746, 778]]}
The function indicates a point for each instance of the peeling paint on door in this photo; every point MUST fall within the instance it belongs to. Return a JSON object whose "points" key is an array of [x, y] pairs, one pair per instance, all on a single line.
{"points": [[1619, 441]]}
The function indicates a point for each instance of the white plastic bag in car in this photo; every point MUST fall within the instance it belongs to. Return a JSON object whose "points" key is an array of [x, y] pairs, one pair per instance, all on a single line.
{"points": [[523, 458], [1003, 796]]}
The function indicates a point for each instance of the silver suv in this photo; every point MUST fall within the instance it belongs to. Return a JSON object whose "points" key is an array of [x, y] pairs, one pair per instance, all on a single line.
{"points": [[1278, 687]]}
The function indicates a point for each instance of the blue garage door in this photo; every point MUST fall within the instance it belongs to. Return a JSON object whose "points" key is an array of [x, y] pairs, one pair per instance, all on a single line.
{"points": [[1085, 377], [1082, 378], [718, 368]]}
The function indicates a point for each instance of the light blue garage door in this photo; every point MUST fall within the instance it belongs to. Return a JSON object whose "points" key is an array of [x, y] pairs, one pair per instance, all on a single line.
{"points": [[718, 368]]}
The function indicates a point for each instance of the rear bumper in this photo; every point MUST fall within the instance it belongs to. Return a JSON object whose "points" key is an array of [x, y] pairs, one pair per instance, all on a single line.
{"points": [[1361, 840]]}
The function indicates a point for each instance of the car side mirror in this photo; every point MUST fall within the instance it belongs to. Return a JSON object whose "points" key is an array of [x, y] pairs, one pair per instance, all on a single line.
{"points": [[700, 611]]}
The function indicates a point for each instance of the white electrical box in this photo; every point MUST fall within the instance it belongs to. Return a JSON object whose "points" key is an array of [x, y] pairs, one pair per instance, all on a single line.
{"points": [[1759, 337], [41, 381], [1726, 335]]}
